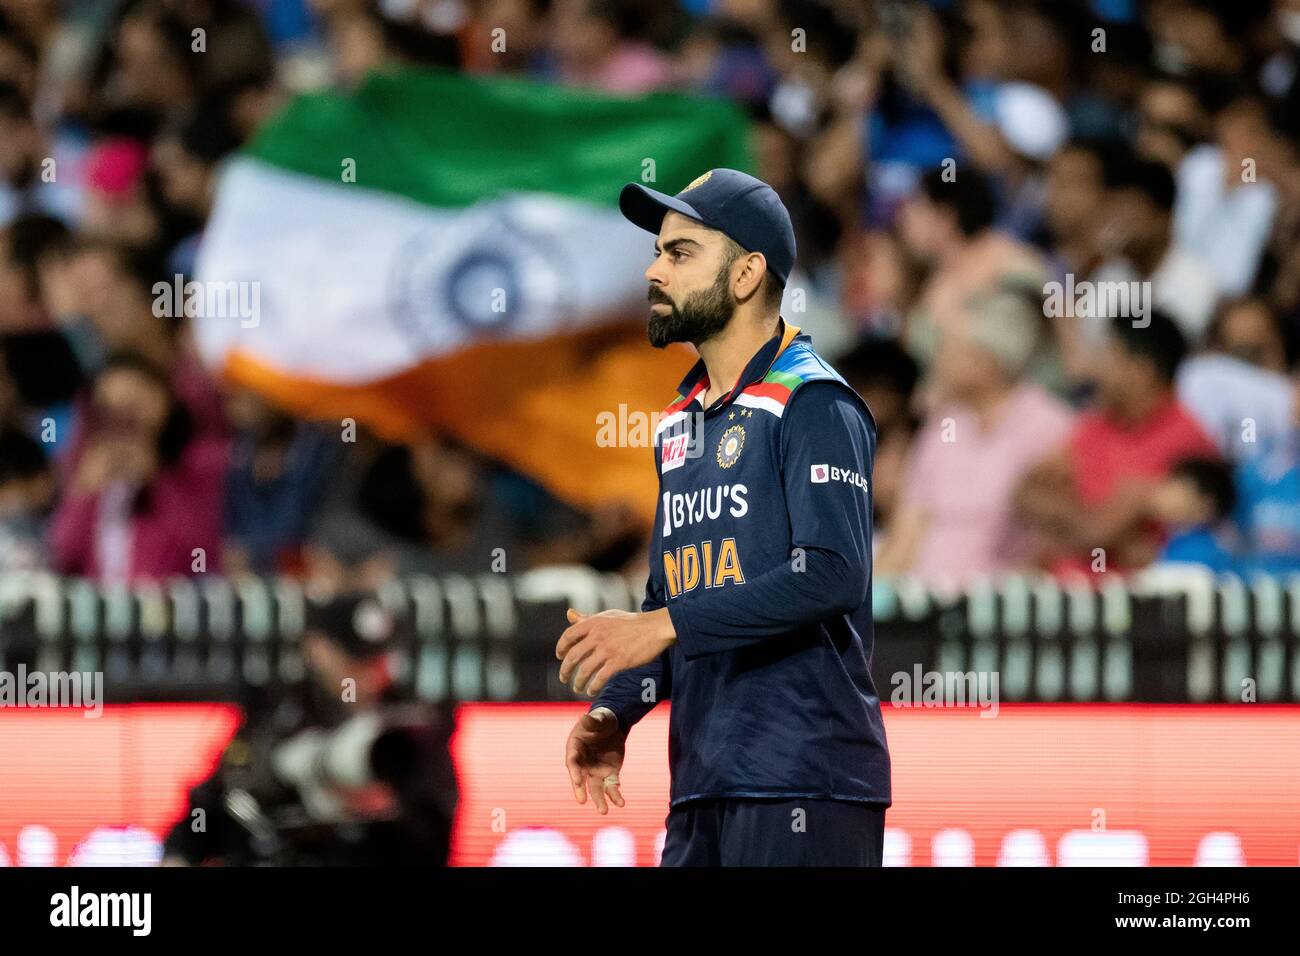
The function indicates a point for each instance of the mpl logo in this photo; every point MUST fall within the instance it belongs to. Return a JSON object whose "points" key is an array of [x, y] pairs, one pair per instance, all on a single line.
{"points": [[674, 453]]}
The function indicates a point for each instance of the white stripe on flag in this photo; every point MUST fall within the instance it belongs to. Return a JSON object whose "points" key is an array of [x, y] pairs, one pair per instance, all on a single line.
{"points": [[357, 284]]}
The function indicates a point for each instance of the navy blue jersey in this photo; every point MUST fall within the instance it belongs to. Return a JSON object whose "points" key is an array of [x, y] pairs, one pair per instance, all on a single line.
{"points": [[762, 555]]}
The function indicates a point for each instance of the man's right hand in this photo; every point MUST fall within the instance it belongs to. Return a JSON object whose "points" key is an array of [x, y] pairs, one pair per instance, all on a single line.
{"points": [[593, 757]]}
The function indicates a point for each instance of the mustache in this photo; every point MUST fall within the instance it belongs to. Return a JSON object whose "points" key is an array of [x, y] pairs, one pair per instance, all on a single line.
{"points": [[656, 296]]}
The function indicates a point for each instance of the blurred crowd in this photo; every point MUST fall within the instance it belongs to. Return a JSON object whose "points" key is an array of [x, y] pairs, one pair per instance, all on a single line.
{"points": [[1055, 245]]}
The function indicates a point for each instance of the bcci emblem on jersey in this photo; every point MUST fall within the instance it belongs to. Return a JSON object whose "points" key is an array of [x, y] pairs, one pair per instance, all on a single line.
{"points": [[733, 440]]}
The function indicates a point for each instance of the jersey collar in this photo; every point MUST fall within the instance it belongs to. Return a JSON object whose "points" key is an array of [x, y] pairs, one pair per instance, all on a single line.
{"points": [[697, 379]]}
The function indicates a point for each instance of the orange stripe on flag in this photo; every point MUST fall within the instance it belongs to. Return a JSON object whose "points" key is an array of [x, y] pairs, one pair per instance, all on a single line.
{"points": [[534, 406]]}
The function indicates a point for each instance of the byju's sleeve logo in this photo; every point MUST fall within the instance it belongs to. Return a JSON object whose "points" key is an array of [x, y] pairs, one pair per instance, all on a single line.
{"points": [[825, 474]]}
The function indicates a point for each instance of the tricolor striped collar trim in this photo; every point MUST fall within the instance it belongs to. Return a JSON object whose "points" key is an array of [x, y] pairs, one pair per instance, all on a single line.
{"points": [[757, 372]]}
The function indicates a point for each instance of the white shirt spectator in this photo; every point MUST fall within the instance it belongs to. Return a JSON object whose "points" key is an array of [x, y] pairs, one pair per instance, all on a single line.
{"points": [[1244, 408], [1226, 227], [1183, 286]]}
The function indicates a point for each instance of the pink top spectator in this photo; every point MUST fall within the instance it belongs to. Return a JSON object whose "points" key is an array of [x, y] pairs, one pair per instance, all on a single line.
{"points": [[963, 478], [152, 536]]}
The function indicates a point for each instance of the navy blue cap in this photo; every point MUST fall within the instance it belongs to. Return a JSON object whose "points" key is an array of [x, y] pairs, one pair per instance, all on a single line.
{"points": [[735, 203]]}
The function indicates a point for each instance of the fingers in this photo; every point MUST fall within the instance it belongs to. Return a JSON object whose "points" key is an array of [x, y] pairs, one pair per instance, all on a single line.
{"points": [[571, 636], [604, 789], [598, 680], [578, 781], [575, 657], [597, 787], [591, 665], [574, 616], [577, 774]]}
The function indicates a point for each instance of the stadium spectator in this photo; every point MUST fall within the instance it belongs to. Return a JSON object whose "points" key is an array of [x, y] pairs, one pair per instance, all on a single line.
{"points": [[118, 207], [27, 492], [143, 500], [948, 225], [186, 157], [20, 51], [1170, 122], [601, 44], [25, 245], [1195, 504], [1249, 330], [147, 65], [429, 498], [100, 293], [29, 183], [279, 471], [1226, 203], [1268, 504], [1198, 38], [1090, 500], [880, 282], [1136, 237], [955, 518], [521, 47], [1074, 203], [1238, 388]]}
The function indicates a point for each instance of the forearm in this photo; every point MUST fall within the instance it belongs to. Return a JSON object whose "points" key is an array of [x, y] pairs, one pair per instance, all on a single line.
{"points": [[633, 693], [1110, 523], [981, 142]]}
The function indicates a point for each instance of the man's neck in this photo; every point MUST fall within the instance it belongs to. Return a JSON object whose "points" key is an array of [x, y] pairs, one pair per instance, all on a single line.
{"points": [[727, 353]]}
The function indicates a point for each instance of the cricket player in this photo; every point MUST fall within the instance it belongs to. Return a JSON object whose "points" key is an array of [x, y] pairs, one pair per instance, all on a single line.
{"points": [[757, 617]]}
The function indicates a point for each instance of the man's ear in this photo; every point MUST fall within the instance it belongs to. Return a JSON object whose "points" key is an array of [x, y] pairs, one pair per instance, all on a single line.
{"points": [[750, 278]]}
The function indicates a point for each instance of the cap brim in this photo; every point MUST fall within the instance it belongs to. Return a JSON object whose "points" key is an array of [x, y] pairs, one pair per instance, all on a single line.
{"points": [[646, 207]]}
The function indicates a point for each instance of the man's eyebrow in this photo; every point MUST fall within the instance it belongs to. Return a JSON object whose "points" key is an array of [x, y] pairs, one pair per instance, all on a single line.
{"points": [[672, 244]]}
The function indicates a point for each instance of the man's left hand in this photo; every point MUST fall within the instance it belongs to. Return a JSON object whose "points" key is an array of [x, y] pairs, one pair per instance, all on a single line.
{"points": [[595, 647]]}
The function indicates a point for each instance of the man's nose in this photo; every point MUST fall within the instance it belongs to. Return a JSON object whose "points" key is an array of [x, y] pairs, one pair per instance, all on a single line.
{"points": [[656, 273]]}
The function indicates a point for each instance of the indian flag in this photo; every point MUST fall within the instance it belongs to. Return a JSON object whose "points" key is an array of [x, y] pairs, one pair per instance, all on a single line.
{"points": [[434, 251]]}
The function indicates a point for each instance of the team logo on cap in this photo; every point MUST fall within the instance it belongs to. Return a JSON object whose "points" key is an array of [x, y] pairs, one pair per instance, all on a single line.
{"points": [[698, 181], [729, 448]]}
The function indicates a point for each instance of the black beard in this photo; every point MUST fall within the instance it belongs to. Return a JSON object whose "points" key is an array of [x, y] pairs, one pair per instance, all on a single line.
{"points": [[703, 315]]}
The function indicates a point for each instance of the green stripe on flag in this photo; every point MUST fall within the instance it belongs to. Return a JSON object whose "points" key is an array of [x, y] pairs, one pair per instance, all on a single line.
{"points": [[449, 140]]}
